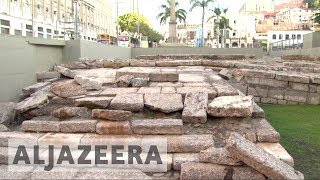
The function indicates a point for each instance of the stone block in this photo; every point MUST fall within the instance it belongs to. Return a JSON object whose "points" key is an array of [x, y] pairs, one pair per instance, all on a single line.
{"points": [[296, 96], [113, 128], [43, 125], [276, 94], [18, 138], [189, 143], [257, 73], [267, 82], [231, 106], [35, 87], [157, 126], [269, 100], [139, 82], [67, 88], [166, 84], [218, 156], [60, 139], [299, 86], [124, 81], [292, 77], [224, 64], [180, 158], [313, 98], [65, 71], [313, 88], [78, 126], [4, 128], [277, 151], [168, 90], [226, 74], [264, 131], [70, 112], [143, 63], [31, 103], [164, 77], [93, 102], [7, 111], [214, 171], [195, 108], [315, 79], [47, 75], [117, 63], [88, 83], [225, 90], [149, 90], [212, 93], [166, 103], [112, 115], [175, 63], [257, 112], [259, 159], [115, 91], [128, 102]]}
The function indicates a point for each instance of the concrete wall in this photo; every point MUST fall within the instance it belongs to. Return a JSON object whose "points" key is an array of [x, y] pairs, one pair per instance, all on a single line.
{"points": [[309, 52], [21, 58], [311, 40], [185, 50]]}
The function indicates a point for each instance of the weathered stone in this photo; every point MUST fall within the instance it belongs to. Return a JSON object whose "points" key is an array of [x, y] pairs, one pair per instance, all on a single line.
{"points": [[259, 159], [69, 112], [166, 84], [225, 64], [197, 84], [114, 173], [225, 90], [149, 90], [124, 81], [55, 173], [180, 158], [218, 156], [267, 82], [31, 103], [143, 63], [277, 151], [4, 128], [276, 94], [117, 63], [258, 73], [269, 100], [292, 77], [212, 93], [231, 106], [189, 143], [65, 71], [128, 102], [137, 72], [114, 128], [44, 91], [88, 83], [16, 172], [299, 86], [33, 88], [18, 138], [282, 102], [226, 74], [166, 103], [313, 98], [164, 77], [214, 171], [93, 102], [157, 126], [60, 139], [139, 82], [195, 108], [67, 88], [113, 115], [7, 111], [264, 131], [78, 126], [296, 96], [47, 75], [115, 91], [313, 88], [41, 124], [257, 112], [175, 63]]}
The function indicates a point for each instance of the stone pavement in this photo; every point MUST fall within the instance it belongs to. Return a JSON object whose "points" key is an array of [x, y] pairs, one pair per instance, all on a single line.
{"points": [[194, 104]]}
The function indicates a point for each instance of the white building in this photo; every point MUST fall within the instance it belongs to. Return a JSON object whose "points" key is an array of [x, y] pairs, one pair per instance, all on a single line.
{"points": [[286, 39], [297, 15]]}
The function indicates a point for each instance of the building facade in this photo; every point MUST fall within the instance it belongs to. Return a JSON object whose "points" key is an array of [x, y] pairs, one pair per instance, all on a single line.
{"points": [[286, 39], [57, 18]]}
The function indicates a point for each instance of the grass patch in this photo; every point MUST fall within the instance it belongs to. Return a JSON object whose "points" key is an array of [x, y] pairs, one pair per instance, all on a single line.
{"points": [[299, 127]]}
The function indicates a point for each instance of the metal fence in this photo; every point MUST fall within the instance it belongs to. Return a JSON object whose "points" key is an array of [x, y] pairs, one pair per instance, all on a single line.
{"points": [[286, 45]]}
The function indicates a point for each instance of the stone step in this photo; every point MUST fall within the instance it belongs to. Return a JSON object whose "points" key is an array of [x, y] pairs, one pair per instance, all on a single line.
{"points": [[264, 131], [195, 108], [128, 102], [114, 128], [218, 156], [166, 103], [157, 126], [181, 158], [112, 115]]}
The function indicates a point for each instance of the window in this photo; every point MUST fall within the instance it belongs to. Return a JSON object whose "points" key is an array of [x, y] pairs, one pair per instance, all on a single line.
{"points": [[274, 36], [280, 36], [293, 36], [17, 32], [29, 27], [40, 35], [287, 36], [49, 36], [5, 30], [40, 29], [49, 31], [299, 36], [4, 22], [29, 34], [56, 32]]}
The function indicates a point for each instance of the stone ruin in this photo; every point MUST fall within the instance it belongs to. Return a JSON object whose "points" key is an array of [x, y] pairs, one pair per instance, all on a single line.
{"points": [[213, 129]]}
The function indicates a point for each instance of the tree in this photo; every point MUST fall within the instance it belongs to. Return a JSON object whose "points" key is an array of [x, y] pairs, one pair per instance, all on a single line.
{"points": [[203, 4], [217, 13], [181, 14], [313, 3], [225, 22]]}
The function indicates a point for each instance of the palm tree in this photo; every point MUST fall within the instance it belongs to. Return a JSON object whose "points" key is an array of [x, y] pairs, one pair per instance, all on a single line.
{"points": [[181, 14], [201, 4], [225, 23], [217, 13]]}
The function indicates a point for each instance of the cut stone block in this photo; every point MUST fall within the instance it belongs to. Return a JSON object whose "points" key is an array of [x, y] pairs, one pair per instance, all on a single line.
{"points": [[7, 111], [180, 158], [276, 94], [166, 84], [18, 138], [195, 108], [212, 93], [124, 81], [166, 103], [259, 159], [292, 77], [18, 172], [225, 90], [115, 63], [257, 73], [55, 173], [113, 115], [31, 103], [299, 86], [65, 71], [257, 112], [214, 171], [296, 96], [78, 126], [60, 139], [47, 75], [149, 90], [93, 102], [114, 173], [164, 77], [33, 88], [313, 98], [88, 83], [231, 106], [218, 156], [189, 143], [69, 112], [4, 128], [168, 90], [115, 91], [157, 126], [264, 131], [143, 63], [267, 82], [114, 128], [139, 82], [226, 74], [67, 88], [41, 124], [277, 151], [128, 102]]}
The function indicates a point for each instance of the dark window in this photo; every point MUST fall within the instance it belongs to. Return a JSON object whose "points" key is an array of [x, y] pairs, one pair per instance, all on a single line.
{"points": [[280, 36], [4, 22], [293, 36], [40, 29], [29, 27], [62, 33], [56, 32], [29, 34], [299, 36], [287, 36], [18, 32], [274, 36], [40, 35], [5, 30], [49, 36], [49, 31]]}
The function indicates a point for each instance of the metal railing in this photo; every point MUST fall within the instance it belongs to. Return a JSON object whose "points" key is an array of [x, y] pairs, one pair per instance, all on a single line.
{"points": [[286, 45]]}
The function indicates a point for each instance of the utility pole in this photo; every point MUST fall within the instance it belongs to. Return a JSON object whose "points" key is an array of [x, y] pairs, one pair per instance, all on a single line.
{"points": [[76, 17]]}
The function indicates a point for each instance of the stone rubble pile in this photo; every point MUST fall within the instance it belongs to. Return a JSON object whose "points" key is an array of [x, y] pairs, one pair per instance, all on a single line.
{"points": [[213, 130]]}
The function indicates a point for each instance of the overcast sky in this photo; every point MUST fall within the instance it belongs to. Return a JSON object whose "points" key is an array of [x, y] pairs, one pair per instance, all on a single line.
{"points": [[151, 8]]}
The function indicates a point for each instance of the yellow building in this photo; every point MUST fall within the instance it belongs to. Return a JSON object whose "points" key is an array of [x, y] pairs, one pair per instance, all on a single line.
{"points": [[50, 18]]}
